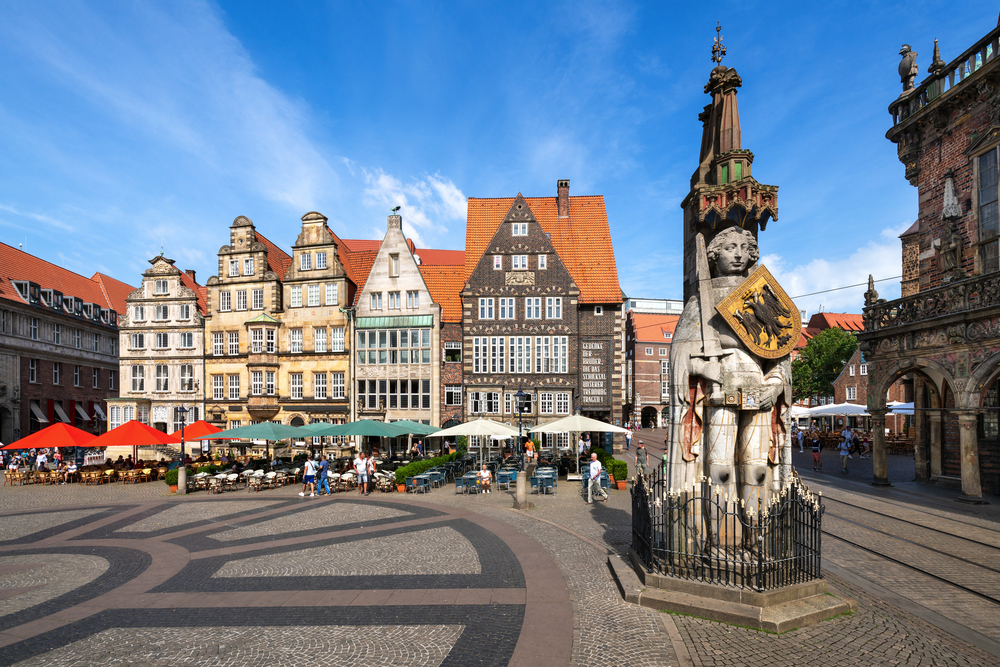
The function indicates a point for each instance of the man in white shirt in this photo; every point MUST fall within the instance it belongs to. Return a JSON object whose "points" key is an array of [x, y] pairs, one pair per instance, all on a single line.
{"points": [[309, 478], [595, 480], [361, 467], [41, 460]]}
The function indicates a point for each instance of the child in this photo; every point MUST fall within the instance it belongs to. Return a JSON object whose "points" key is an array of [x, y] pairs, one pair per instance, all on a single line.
{"points": [[817, 461]]}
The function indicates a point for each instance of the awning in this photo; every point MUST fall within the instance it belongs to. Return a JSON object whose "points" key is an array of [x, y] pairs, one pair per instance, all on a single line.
{"points": [[83, 413], [394, 322], [39, 415], [61, 414], [99, 413]]}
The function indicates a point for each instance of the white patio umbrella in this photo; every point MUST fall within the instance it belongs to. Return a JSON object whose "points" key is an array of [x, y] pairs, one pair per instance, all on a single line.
{"points": [[478, 427], [902, 409], [577, 424], [838, 409]]}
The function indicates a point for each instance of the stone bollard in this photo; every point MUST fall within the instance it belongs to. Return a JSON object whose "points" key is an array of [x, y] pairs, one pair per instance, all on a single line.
{"points": [[521, 494]]}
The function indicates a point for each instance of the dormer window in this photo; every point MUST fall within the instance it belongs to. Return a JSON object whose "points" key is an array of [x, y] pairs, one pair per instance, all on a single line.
{"points": [[22, 288], [520, 229], [160, 287], [47, 297], [88, 311], [67, 304]]}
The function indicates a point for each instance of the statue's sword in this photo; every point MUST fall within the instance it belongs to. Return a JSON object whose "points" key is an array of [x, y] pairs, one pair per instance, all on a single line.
{"points": [[711, 351]]}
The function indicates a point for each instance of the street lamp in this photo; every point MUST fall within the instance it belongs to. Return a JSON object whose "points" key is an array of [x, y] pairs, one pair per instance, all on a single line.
{"points": [[520, 409], [182, 470]]}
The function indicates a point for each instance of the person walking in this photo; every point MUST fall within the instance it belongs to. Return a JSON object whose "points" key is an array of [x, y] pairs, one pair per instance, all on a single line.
{"points": [[595, 480], [641, 460], [361, 468], [845, 453], [309, 478], [802, 437], [628, 441], [816, 446], [370, 463], [324, 481]]}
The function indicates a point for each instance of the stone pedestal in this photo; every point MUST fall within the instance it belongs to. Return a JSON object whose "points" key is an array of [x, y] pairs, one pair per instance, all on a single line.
{"points": [[969, 442], [521, 493], [934, 436], [880, 463], [182, 479]]}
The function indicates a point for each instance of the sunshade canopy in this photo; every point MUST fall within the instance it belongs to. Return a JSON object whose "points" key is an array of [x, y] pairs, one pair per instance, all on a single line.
{"points": [[902, 409], [261, 431], [416, 428], [575, 424], [361, 427], [133, 433], [197, 429], [57, 436], [838, 409], [477, 427]]}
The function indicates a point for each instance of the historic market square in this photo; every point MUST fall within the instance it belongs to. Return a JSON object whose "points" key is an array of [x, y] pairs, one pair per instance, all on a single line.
{"points": [[296, 415]]}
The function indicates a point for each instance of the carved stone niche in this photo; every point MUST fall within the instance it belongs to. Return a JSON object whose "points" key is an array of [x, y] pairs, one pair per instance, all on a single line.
{"points": [[519, 278]]}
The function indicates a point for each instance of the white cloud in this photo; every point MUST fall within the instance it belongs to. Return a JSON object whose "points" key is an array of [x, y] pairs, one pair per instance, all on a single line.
{"points": [[882, 258], [39, 217], [425, 202]]}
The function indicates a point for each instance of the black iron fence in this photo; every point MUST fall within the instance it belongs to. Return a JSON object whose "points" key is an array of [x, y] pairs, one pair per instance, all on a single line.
{"points": [[703, 534]]}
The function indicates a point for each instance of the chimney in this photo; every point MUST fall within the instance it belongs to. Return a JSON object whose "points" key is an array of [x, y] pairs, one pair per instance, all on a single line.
{"points": [[562, 200], [190, 272]]}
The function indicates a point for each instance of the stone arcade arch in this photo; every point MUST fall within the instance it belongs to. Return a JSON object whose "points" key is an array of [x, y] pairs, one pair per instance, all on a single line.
{"points": [[650, 417]]}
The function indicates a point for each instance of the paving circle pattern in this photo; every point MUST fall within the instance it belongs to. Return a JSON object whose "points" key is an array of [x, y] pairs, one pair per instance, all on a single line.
{"points": [[285, 581]]}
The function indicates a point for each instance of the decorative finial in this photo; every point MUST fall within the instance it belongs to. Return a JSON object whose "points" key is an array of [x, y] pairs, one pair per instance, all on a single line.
{"points": [[937, 65], [718, 48]]}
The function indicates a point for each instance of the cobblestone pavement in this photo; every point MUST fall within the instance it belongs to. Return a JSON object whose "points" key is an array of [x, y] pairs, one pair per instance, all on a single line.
{"points": [[316, 592]]}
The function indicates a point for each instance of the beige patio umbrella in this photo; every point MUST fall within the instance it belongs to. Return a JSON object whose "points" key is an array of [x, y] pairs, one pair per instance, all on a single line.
{"points": [[479, 427], [577, 424]]}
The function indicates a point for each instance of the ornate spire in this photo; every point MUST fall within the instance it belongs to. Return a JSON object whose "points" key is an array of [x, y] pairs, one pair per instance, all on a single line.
{"points": [[937, 64], [718, 48]]}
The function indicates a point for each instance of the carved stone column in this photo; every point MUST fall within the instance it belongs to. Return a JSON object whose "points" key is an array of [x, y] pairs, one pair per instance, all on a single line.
{"points": [[879, 461], [935, 422], [969, 441]]}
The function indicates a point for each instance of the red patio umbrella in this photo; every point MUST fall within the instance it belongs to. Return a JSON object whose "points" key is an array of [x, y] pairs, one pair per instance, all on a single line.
{"points": [[57, 436], [133, 434], [196, 430]]}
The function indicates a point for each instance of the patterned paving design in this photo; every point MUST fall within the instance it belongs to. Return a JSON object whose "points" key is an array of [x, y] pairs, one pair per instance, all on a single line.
{"points": [[21, 525], [328, 516], [31, 580], [191, 512]]}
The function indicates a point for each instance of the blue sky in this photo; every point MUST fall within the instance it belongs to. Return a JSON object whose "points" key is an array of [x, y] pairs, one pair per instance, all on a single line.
{"points": [[126, 125]]}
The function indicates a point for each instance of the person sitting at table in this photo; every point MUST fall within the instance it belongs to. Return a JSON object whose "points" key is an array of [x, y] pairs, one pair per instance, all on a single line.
{"points": [[485, 478], [61, 470], [71, 469]]}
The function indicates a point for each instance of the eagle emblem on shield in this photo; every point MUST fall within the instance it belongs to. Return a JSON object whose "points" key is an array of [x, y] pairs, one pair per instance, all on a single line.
{"points": [[762, 315]]}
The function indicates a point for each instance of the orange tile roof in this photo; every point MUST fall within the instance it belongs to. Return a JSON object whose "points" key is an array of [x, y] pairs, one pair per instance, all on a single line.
{"points": [[441, 257], [278, 260], [357, 245], [15, 264], [200, 290], [651, 327], [583, 240], [361, 265], [445, 285], [845, 321]]}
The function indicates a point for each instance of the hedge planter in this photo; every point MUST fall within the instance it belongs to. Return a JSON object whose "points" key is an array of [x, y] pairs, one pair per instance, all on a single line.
{"points": [[401, 488], [173, 488]]}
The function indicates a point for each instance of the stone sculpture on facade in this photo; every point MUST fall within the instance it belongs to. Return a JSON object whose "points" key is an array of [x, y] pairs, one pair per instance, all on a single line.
{"points": [[908, 69]]}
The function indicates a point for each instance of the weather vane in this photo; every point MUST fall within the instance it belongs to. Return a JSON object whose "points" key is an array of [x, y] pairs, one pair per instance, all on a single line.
{"points": [[718, 48]]}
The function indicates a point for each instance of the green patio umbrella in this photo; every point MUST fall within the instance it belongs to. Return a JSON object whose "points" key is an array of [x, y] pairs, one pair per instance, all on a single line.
{"points": [[262, 431], [416, 428], [363, 427]]}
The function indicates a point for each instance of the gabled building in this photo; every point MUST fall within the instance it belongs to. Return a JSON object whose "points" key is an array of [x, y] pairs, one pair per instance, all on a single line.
{"points": [[58, 345], [647, 368], [444, 280], [541, 310], [162, 343]]}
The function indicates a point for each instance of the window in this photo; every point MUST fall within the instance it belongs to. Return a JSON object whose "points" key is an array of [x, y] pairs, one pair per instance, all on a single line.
{"points": [[33, 328], [337, 339], [312, 292], [852, 393], [664, 368], [76, 376], [184, 312], [989, 214], [78, 339], [269, 384], [319, 385], [256, 383], [256, 341], [111, 346], [218, 344], [553, 308], [96, 378], [598, 311], [336, 385], [850, 370], [412, 299], [393, 266], [234, 268], [663, 351], [218, 387], [295, 380], [497, 262], [162, 341], [187, 377], [241, 299], [248, 266], [331, 294], [33, 370], [543, 261], [321, 260], [162, 378], [295, 292], [519, 262], [486, 309], [864, 369], [111, 379], [562, 403], [114, 416], [533, 308], [234, 343], [234, 387], [160, 287], [56, 334], [225, 302], [393, 300], [551, 354], [138, 341], [664, 389], [187, 339], [138, 313], [56, 368], [376, 300], [649, 351], [520, 354], [96, 340], [305, 261], [546, 404], [319, 338], [295, 340], [506, 308], [520, 229], [138, 378], [453, 394], [269, 341], [453, 353], [257, 299]]}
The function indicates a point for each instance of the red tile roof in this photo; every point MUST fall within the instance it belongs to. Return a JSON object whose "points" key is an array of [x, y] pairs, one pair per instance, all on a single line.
{"points": [[360, 266], [441, 257], [583, 240], [200, 290], [16, 264], [278, 260], [357, 245], [445, 285], [651, 327], [845, 321]]}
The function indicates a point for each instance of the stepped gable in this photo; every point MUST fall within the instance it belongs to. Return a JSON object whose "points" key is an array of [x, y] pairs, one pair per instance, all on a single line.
{"points": [[582, 239]]}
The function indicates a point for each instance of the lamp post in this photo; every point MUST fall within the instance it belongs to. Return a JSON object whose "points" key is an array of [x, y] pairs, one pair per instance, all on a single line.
{"points": [[182, 470]]}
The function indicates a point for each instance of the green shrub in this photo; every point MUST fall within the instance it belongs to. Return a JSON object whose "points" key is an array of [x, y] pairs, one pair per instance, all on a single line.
{"points": [[171, 477], [418, 467], [617, 469], [210, 469], [461, 446], [301, 457]]}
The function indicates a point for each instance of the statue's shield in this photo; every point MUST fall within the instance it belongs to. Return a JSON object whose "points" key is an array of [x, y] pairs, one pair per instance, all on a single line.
{"points": [[762, 315]]}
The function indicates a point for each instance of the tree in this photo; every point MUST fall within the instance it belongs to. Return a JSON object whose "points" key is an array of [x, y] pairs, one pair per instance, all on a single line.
{"points": [[821, 362]]}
